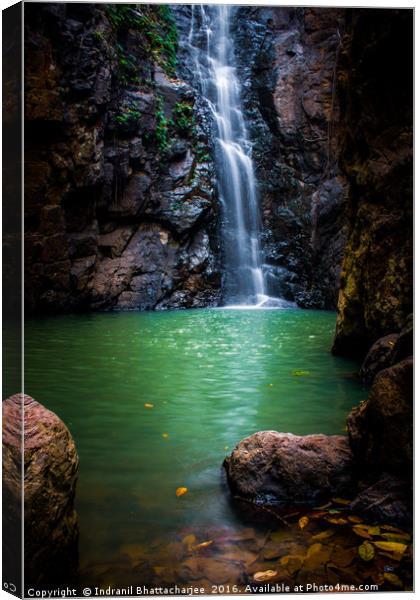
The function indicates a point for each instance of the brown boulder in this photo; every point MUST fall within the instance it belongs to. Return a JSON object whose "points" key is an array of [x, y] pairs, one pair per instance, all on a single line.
{"points": [[50, 474], [379, 357], [381, 428], [274, 467]]}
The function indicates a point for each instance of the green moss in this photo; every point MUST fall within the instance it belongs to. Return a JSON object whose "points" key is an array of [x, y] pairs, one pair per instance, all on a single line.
{"points": [[161, 132], [183, 117], [127, 116], [155, 24]]}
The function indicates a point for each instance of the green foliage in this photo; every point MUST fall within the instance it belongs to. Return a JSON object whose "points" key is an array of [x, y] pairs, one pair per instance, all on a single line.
{"points": [[161, 131], [126, 117], [127, 69], [183, 116], [156, 26]]}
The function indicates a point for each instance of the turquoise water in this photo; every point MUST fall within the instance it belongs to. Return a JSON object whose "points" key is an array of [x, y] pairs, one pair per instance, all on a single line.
{"points": [[212, 376]]}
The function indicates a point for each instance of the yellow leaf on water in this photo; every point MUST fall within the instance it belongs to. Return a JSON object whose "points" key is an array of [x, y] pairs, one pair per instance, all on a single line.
{"points": [[394, 579], [391, 546], [313, 549], [298, 373], [189, 541], [396, 537], [303, 521], [148, 405], [336, 521], [361, 532], [341, 501], [355, 519], [165, 435], [323, 535], [181, 491], [366, 551], [226, 448], [264, 575], [202, 545]]}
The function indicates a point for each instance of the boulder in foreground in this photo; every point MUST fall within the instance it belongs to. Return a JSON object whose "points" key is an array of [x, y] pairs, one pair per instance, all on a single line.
{"points": [[271, 467], [50, 474]]}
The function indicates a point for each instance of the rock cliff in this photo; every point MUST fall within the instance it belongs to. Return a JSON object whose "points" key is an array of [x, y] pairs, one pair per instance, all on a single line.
{"points": [[288, 65], [120, 209]]}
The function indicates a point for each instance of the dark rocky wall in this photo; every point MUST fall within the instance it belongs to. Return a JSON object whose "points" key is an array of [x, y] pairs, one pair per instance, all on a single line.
{"points": [[119, 204], [287, 59], [375, 93]]}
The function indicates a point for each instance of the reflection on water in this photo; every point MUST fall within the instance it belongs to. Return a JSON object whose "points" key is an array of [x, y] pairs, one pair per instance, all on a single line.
{"points": [[212, 376]]}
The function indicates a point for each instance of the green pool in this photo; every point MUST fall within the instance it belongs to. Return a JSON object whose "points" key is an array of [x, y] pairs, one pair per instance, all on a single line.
{"points": [[210, 378]]}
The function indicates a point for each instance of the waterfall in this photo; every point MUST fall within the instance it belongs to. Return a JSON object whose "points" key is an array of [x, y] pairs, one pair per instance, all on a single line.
{"points": [[213, 63]]}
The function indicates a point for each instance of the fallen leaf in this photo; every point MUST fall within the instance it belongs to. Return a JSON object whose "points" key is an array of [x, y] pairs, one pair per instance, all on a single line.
{"points": [[396, 537], [362, 533], [366, 551], [324, 506], [292, 562], [202, 545], [341, 501], [300, 373], [313, 548], [181, 491], [226, 448], [391, 546], [148, 405], [336, 521], [303, 521], [394, 579], [392, 528], [264, 575], [355, 519], [189, 541], [165, 435], [323, 535]]}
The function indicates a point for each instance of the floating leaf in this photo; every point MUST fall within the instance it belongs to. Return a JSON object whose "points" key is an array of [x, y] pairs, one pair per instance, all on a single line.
{"points": [[226, 448], [313, 549], [149, 405], [391, 547], [181, 491], [264, 575], [303, 521], [392, 528], [300, 373], [202, 545], [366, 551], [362, 532], [292, 562], [394, 579], [396, 537], [324, 506], [189, 541], [341, 501], [355, 519], [323, 535], [336, 521]]}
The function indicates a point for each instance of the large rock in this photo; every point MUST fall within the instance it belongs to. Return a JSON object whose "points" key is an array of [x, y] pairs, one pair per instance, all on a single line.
{"points": [[274, 467], [379, 357], [381, 428], [50, 474]]}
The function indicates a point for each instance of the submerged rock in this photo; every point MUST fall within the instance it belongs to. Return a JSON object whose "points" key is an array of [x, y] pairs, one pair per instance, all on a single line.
{"points": [[381, 429], [50, 474], [388, 500], [272, 467]]}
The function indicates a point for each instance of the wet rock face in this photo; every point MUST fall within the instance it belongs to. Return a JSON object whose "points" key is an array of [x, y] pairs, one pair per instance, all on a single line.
{"points": [[376, 156], [50, 474], [288, 65], [120, 199], [381, 429], [272, 467]]}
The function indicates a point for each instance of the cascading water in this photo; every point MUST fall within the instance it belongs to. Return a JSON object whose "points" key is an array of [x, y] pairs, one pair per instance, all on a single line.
{"points": [[212, 51]]}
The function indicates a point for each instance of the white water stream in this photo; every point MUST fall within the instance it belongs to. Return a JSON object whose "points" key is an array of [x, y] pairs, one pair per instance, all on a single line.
{"points": [[211, 48]]}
